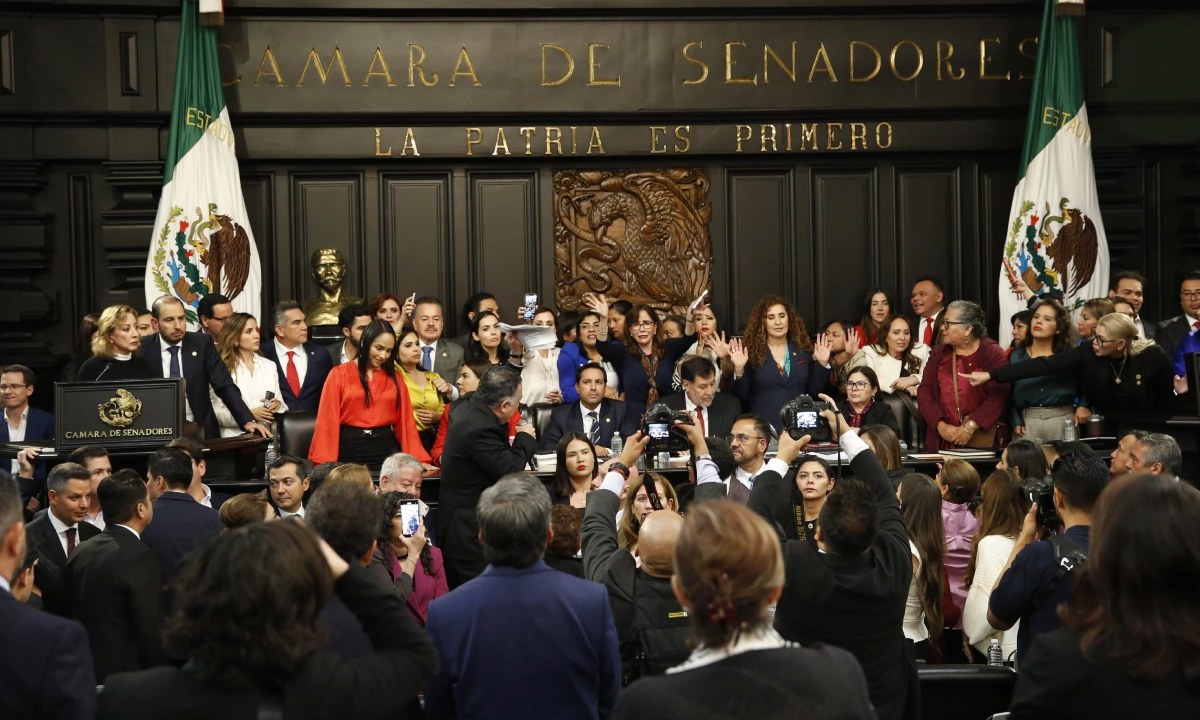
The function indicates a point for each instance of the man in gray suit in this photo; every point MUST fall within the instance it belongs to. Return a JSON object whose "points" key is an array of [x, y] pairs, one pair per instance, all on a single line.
{"points": [[442, 356]]}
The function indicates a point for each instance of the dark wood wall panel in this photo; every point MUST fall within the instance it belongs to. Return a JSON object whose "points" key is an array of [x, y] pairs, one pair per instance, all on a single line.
{"points": [[994, 191], [845, 225], [502, 231], [929, 237], [761, 227], [258, 190], [327, 211], [417, 256]]}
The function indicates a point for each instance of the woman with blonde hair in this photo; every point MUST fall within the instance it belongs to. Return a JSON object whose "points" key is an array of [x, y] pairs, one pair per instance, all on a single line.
{"points": [[255, 376], [114, 348], [1117, 371], [352, 474], [636, 506], [728, 572]]}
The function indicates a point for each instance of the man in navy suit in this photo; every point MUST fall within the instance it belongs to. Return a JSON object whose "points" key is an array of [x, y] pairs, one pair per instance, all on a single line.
{"points": [[519, 620], [57, 533], [175, 352], [181, 523], [712, 411], [45, 666], [303, 365], [24, 423], [593, 416]]}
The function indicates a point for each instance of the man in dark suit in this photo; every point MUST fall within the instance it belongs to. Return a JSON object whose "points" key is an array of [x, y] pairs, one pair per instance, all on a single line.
{"points": [[181, 523], [352, 320], [477, 454], [1131, 286], [175, 352], [851, 595], [594, 416], [116, 583], [214, 309], [45, 666], [487, 632], [438, 354], [1172, 332], [303, 365], [24, 423], [58, 533], [714, 411]]}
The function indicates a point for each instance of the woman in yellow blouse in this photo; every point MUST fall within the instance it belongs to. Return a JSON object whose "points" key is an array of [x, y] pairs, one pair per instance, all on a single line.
{"points": [[426, 389]]}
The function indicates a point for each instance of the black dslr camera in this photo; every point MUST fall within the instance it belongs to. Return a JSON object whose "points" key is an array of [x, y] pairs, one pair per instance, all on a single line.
{"points": [[658, 425], [1041, 491], [802, 416]]}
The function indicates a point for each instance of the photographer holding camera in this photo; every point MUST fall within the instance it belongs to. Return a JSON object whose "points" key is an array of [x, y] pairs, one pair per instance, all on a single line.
{"points": [[852, 594], [1039, 574]]}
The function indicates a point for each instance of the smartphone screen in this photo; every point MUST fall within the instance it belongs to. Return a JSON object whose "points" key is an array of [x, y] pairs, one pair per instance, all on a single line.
{"points": [[806, 420], [531, 301], [410, 517], [659, 431]]}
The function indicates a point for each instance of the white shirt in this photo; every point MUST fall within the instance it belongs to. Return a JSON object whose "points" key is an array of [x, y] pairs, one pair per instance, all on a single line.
{"points": [[166, 364], [136, 534], [284, 514], [886, 367], [539, 375], [746, 477], [761, 638], [97, 521], [587, 423], [60, 529], [4, 584], [301, 358], [691, 410], [206, 501], [17, 434], [254, 388]]}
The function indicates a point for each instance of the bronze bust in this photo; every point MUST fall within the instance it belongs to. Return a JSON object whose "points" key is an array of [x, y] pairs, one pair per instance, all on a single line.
{"points": [[329, 269]]}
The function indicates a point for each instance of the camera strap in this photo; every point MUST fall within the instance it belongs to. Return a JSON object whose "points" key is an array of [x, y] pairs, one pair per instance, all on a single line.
{"points": [[1068, 555]]}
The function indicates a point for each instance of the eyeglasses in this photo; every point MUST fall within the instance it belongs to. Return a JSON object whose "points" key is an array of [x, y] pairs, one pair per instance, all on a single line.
{"points": [[857, 384], [1190, 294], [741, 438], [1101, 341], [643, 324], [6, 388], [947, 323]]}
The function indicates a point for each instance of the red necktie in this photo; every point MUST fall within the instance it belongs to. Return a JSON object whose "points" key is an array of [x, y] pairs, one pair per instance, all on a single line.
{"points": [[700, 420], [293, 377], [1196, 325], [928, 339], [70, 541]]}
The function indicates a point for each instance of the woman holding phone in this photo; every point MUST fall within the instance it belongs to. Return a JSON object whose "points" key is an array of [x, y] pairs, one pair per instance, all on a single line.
{"points": [[255, 376], [404, 556]]}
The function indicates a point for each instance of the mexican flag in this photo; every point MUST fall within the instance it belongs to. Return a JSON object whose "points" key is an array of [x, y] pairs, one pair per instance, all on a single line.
{"points": [[1055, 244], [202, 242]]}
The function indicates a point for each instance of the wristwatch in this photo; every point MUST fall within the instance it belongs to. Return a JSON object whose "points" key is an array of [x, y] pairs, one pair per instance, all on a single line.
{"points": [[621, 468]]}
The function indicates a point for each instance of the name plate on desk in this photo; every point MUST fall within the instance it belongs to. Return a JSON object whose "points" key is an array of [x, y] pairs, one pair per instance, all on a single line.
{"points": [[118, 413]]}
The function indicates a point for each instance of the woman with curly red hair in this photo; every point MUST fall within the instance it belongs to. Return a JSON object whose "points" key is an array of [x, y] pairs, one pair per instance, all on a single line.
{"points": [[776, 361]]}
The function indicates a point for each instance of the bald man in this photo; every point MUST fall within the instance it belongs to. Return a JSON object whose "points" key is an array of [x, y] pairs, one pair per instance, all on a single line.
{"points": [[652, 627]]}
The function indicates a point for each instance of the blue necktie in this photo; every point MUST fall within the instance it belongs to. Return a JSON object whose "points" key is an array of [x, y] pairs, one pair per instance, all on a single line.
{"points": [[426, 360], [594, 431], [175, 370]]}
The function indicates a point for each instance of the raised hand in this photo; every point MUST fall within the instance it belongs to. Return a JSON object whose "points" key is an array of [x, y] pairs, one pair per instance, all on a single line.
{"points": [[853, 341], [442, 386], [822, 349], [597, 303], [737, 354]]}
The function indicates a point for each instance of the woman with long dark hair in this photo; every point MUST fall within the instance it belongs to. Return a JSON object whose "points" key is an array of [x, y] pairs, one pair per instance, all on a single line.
{"points": [[1041, 404], [1130, 645], [1000, 516], [575, 473], [920, 504], [426, 389], [486, 340], [1024, 458], [280, 575], [365, 413], [775, 361], [710, 344], [584, 350], [814, 482], [895, 356], [410, 562], [255, 376], [877, 306]]}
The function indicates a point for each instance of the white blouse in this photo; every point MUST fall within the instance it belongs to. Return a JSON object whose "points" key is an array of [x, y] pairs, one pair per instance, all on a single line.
{"points": [[990, 558], [914, 615], [254, 387], [539, 375], [886, 367]]}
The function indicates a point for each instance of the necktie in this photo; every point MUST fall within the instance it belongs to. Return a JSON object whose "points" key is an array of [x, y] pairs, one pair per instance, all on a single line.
{"points": [[70, 541], [175, 371], [594, 430], [928, 339], [293, 377], [1196, 325], [427, 358], [700, 421]]}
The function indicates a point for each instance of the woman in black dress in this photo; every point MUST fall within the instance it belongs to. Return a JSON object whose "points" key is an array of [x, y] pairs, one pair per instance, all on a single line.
{"points": [[864, 408], [114, 349]]}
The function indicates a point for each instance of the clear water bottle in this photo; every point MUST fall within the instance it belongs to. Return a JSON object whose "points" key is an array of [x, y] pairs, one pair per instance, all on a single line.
{"points": [[995, 653], [1068, 430], [617, 444], [272, 453]]}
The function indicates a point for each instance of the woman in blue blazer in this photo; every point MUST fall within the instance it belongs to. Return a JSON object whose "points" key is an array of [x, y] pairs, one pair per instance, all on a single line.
{"points": [[776, 361]]}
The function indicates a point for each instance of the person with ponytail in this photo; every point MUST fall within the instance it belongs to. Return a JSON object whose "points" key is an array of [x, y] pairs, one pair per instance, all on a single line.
{"points": [[729, 571]]}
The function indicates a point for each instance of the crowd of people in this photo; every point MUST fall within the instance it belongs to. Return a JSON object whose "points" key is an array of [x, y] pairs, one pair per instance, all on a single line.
{"points": [[761, 585]]}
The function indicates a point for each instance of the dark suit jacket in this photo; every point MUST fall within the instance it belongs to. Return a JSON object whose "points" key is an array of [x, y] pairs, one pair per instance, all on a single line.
{"points": [[1149, 327], [1171, 333], [45, 667], [180, 525], [724, 410], [116, 591], [852, 602], [448, 359], [764, 391], [38, 426], [615, 417], [880, 413], [319, 365], [50, 573], [373, 687], [202, 367], [491, 635], [477, 454]]}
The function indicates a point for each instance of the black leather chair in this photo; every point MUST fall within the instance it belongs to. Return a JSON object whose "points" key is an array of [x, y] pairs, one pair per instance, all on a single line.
{"points": [[295, 429], [964, 692], [909, 432], [541, 417]]}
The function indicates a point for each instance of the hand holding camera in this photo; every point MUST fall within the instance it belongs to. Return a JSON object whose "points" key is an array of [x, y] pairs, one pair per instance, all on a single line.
{"points": [[662, 427], [807, 417]]}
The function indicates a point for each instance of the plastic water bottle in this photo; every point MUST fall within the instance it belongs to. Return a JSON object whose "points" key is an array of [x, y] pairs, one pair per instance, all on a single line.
{"points": [[995, 654], [272, 453], [617, 445], [1068, 431]]}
